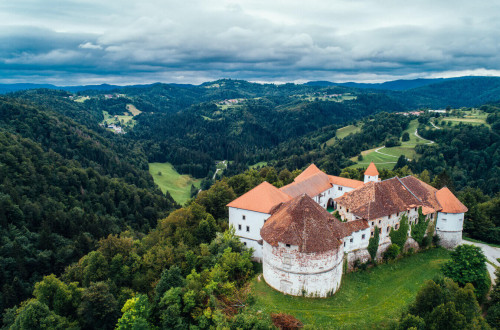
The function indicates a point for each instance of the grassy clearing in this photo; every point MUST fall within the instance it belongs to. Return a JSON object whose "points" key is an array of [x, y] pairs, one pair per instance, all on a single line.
{"points": [[472, 117], [259, 164], [366, 300], [133, 110], [123, 120], [386, 158], [81, 99], [343, 132], [179, 186]]}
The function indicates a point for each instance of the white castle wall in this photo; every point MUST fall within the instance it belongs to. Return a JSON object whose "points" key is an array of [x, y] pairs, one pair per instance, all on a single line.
{"points": [[241, 219], [295, 273], [449, 229]]}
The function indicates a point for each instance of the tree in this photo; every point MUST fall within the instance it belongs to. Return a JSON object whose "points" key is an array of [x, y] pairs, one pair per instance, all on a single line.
{"points": [[36, 315], [135, 314], [400, 236], [468, 265], [405, 137], [58, 296], [419, 229], [373, 244], [216, 198], [98, 308], [402, 162]]}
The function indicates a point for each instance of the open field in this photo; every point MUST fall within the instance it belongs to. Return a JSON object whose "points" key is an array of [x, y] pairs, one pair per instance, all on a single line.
{"points": [[386, 158], [365, 300], [342, 98], [259, 164], [81, 99], [121, 120], [343, 132], [179, 186], [472, 117], [133, 110]]}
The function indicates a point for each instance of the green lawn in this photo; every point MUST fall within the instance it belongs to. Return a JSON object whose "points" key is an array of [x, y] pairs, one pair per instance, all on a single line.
{"points": [[178, 185], [122, 120], [365, 300]]}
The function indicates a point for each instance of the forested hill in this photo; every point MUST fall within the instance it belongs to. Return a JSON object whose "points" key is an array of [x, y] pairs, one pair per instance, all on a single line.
{"points": [[62, 188]]}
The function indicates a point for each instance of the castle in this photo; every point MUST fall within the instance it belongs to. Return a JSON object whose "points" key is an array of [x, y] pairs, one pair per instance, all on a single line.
{"points": [[303, 246]]}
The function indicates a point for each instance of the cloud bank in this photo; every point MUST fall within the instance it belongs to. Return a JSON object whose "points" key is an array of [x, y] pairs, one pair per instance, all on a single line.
{"points": [[124, 42]]}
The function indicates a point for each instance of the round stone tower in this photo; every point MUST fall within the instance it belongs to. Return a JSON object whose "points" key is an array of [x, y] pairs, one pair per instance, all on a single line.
{"points": [[450, 219], [303, 249]]}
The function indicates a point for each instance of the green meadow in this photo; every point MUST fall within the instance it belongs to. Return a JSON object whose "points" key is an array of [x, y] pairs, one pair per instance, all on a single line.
{"points": [[168, 179], [368, 299]]}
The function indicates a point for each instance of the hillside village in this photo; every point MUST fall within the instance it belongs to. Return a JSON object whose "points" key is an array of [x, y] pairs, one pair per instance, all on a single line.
{"points": [[303, 246]]}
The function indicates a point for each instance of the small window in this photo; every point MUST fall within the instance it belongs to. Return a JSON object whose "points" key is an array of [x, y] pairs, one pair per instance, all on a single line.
{"points": [[389, 216], [344, 243], [388, 229], [363, 236], [443, 219], [351, 240], [396, 227], [415, 209], [347, 210], [379, 222], [380, 231], [373, 222], [243, 217], [248, 228], [397, 214], [245, 243], [287, 245], [239, 227], [372, 233], [340, 188]]}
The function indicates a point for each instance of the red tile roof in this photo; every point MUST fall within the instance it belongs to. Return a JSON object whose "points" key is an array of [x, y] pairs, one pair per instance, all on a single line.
{"points": [[260, 199], [426, 193], [311, 170], [449, 203], [312, 185], [379, 199], [356, 225], [303, 222], [339, 181], [371, 170]]}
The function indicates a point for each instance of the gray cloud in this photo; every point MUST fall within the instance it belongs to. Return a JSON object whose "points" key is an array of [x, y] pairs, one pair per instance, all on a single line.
{"points": [[77, 41]]}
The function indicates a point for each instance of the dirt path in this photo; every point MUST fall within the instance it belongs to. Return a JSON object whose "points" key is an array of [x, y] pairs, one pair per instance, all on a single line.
{"points": [[416, 134]]}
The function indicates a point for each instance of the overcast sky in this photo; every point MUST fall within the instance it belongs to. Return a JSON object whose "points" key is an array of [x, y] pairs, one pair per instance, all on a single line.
{"points": [[69, 42]]}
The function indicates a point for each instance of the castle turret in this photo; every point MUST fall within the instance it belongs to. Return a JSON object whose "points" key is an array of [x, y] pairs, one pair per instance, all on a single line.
{"points": [[371, 173]]}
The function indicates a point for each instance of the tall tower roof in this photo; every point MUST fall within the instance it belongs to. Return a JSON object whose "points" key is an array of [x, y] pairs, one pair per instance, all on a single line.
{"points": [[449, 202], [371, 170]]}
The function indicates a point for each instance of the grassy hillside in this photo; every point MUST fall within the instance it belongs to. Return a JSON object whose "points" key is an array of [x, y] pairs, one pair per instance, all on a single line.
{"points": [[369, 299], [167, 178], [386, 158]]}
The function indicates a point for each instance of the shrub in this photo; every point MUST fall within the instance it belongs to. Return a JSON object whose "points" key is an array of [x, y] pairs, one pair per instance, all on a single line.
{"points": [[286, 321], [392, 252], [373, 244], [400, 236]]}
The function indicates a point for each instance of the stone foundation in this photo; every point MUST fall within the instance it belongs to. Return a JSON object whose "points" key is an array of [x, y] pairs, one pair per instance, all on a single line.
{"points": [[449, 239]]}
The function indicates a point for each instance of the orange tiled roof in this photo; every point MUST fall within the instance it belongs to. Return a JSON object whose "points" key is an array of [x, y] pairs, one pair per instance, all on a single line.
{"points": [[260, 199], [303, 222], [312, 186], [311, 170], [339, 181], [371, 170], [449, 203]]}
